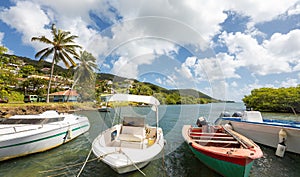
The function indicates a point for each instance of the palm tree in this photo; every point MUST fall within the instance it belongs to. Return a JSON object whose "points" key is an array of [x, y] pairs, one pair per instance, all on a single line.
{"points": [[85, 71], [62, 45]]}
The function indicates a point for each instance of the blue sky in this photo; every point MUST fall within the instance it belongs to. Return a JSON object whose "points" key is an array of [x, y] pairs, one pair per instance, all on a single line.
{"points": [[222, 48]]}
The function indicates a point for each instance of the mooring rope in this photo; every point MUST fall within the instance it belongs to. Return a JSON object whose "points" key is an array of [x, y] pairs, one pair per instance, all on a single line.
{"points": [[133, 163], [163, 159], [87, 158], [77, 164], [59, 174]]}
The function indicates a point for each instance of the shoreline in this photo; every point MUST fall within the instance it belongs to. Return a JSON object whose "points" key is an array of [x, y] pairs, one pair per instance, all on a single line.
{"points": [[9, 110]]}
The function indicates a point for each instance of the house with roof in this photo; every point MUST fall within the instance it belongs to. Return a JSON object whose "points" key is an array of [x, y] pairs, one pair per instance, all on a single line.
{"points": [[62, 96]]}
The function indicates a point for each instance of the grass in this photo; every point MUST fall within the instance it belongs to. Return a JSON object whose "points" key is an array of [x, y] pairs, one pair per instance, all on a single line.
{"points": [[84, 105]]}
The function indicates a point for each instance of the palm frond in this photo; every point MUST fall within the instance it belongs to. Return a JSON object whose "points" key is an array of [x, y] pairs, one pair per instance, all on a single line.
{"points": [[69, 58], [42, 39], [70, 39], [41, 52], [47, 53], [53, 30], [63, 59]]}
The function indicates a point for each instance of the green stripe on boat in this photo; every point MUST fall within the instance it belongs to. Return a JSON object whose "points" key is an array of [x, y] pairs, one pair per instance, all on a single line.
{"points": [[41, 139], [227, 169]]}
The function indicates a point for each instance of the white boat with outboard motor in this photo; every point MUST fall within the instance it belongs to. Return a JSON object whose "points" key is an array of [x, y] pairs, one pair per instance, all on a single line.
{"points": [[132, 144], [21, 135], [281, 134]]}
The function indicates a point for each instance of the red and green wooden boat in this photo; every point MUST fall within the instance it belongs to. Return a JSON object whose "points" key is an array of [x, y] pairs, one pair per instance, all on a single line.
{"points": [[222, 149]]}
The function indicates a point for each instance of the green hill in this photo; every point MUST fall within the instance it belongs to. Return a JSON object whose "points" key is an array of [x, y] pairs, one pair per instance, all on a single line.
{"points": [[119, 84]]}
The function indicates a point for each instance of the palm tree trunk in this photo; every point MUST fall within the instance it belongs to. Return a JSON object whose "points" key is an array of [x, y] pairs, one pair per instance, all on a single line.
{"points": [[51, 75], [74, 83]]}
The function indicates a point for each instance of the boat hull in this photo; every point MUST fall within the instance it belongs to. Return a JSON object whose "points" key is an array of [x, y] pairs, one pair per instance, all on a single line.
{"points": [[223, 167], [223, 150], [267, 134], [40, 138], [126, 159], [129, 168]]}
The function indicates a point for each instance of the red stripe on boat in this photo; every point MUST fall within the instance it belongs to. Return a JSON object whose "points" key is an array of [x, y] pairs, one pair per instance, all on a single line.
{"points": [[232, 159]]}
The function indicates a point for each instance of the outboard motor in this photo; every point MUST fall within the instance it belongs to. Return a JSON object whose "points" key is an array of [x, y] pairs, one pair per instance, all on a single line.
{"points": [[237, 114], [201, 122], [224, 114]]}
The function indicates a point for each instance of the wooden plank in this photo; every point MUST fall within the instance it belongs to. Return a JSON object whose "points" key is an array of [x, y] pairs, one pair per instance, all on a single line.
{"points": [[241, 139], [216, 141], [212, 137], [209, 134]]}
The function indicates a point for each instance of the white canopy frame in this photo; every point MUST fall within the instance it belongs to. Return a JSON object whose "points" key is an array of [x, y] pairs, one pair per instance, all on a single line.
{"points": [[139, 99]]}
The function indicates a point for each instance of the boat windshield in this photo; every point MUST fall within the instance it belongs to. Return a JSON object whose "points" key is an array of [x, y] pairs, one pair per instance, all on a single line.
{"points": [[134, 121], [31, 121]]}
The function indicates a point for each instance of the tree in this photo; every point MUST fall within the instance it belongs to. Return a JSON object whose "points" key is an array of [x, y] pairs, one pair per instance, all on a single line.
{"points": [[27, 70], [274, 99], [62, 45], [85, 71], [3, 50]]}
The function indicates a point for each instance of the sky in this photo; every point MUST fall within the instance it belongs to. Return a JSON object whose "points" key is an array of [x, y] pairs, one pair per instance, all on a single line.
{"points": [[222, 48]]}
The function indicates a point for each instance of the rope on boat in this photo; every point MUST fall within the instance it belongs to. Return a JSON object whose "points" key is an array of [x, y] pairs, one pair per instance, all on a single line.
{"points": [[87, 158], [77, 164], [59, 174], [163, 159], [133, 163]]}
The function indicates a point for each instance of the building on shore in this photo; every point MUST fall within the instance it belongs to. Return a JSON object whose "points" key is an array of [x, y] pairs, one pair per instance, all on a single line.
{"points": [[62, 96]]}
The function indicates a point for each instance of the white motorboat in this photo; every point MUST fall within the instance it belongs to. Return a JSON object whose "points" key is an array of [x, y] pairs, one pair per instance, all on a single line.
{"points": [[132, 144], [21, 135], [265, 131]]}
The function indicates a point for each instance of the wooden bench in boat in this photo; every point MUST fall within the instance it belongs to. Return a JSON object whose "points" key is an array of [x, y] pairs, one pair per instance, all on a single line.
{"points": [[209, 134], [212, 137], [216, 141]]}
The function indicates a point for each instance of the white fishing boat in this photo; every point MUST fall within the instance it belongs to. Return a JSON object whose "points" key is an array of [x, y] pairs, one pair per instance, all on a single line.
{"points": [[21, 135], [132, 144], [281, 134]]}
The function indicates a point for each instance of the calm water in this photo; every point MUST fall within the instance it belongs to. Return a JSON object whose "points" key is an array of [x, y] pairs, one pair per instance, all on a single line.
{"points": [[176, 160]]}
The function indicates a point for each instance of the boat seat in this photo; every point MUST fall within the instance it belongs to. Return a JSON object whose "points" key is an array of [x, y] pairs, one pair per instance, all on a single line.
{"points": [[133, 132], [216, 141], [132, 137], [130, 133]]}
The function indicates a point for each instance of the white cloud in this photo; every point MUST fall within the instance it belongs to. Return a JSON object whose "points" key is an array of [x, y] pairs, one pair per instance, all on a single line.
{"points": [[210, 69], [285, 47], [27, 18], [233, 84], [289, 82], [137, 53], [187, 67], [295, 10], [168, 81], [1, 37], [262, 11], [277, 55], [144, 30]]}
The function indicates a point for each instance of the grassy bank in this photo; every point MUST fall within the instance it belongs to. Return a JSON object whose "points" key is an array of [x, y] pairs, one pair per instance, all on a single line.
{"points": [[9, 109]]}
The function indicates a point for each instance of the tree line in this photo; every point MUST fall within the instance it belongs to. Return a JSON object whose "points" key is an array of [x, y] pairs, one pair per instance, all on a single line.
{"points": [[274, 99], [63, 49]]}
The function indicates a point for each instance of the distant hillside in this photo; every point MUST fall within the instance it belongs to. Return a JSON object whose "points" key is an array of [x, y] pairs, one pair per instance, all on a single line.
{"points": [[40, 64], [120, 84], [107, 76], [191, 92]]}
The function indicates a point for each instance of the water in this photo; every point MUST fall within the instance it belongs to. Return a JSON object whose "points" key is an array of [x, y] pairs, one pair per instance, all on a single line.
{"points": [[176, 160]]}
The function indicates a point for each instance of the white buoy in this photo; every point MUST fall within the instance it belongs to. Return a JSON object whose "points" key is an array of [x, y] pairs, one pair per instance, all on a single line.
{"points": [[228, 126], [69, 134], [281, 147]]}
